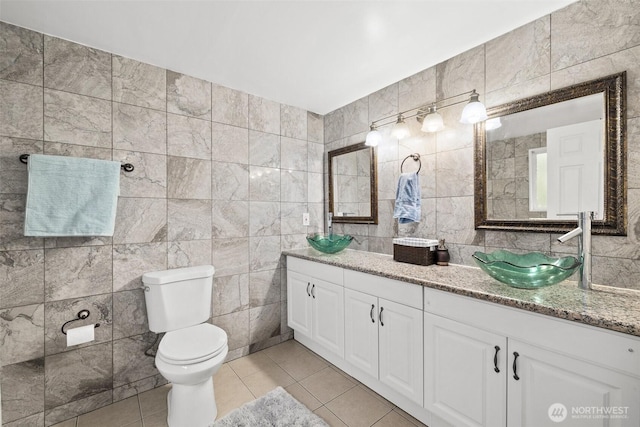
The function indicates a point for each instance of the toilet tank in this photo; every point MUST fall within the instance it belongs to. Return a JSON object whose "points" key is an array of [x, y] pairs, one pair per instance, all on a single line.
{"points": [[178, 298]]}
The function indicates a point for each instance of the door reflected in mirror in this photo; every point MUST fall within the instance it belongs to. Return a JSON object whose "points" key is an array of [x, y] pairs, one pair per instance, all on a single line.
{"points": [[353, 184]]}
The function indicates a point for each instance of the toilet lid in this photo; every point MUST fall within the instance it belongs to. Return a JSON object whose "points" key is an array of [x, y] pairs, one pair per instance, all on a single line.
{"points": [[193, 344]]}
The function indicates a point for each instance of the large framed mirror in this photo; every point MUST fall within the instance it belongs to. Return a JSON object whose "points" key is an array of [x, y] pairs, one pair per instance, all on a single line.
{"points": [[353, 184], [540, 160]]}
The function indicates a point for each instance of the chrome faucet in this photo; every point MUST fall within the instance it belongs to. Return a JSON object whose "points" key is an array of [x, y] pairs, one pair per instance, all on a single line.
{"points": [[330, 224], [583, 231]]}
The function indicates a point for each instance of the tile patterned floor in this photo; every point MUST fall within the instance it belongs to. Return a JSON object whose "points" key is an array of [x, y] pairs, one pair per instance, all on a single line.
{"points": [[335, 396]]}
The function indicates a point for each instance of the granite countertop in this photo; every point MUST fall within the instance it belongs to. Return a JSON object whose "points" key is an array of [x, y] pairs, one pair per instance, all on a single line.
{"points": [[603, 306]]}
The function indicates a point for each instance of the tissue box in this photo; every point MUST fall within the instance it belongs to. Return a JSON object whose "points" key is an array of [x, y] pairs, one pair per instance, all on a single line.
{"points": [[413, 250]]}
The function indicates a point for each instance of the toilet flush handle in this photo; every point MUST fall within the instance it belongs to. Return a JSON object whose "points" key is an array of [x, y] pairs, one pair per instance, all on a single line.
{"points": [[145, 288]]}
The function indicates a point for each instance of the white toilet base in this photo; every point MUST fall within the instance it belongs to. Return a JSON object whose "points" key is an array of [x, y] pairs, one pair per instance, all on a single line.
{"points": [[192, 405]]}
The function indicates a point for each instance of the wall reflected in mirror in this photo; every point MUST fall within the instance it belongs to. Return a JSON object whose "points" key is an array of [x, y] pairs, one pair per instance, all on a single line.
{"points": [[353, 184]]}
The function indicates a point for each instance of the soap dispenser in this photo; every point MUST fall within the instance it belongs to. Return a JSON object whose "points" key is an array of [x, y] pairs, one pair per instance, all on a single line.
{"points": [[442, 254]]}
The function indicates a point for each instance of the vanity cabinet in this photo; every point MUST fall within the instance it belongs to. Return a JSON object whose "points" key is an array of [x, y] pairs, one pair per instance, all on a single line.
{"points": [[315, 306], [542, 362], [465, 373], [383, 332]]}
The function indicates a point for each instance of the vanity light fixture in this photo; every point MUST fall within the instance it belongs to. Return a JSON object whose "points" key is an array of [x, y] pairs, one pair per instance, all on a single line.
{"points": [[400, 129], [431, 120], [373, 137]]}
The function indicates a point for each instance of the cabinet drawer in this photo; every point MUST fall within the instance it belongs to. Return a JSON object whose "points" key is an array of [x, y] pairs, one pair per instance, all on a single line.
{"points": [[607, 348], [326, 272], [392, 290]]}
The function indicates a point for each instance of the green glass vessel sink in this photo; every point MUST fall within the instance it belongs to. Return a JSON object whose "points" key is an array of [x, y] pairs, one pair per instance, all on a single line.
{"points": [[329, 243], [528, 271]]}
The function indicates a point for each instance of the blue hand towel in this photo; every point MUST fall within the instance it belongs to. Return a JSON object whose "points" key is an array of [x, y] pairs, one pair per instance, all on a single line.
{"points": [[407, 208], [71, 196]]}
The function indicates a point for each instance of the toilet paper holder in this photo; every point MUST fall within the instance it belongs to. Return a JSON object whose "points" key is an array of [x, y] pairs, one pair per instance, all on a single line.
{"points": [[82, 314]]}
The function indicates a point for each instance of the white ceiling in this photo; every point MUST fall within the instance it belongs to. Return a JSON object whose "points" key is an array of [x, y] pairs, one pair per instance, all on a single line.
{"points": [[317, 55]]}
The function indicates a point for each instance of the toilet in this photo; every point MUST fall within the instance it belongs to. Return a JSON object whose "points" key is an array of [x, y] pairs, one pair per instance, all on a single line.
{"points": [[191, 351]]}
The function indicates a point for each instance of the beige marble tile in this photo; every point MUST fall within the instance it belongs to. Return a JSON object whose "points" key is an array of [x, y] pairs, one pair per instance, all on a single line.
{"points": [[188, 178], [230, 181], [357, 407], [327, 384], [230, 294], [264, 218], [303, 396], [154, 401], [251, 364], [229, 143], [129, 314], [78, 407], [266, 379], [131, 261], [586, 30], [383, 103], [417, 89], [264, 287], [264, 149], [188, 96], [236, 325], [13, 174], [315, 127], [264, 115], [76, 68], [22, 390], [21, 278], [21, 59], [188, 137], [148, 179], [229, 106], [189, 253], [158, 419], [523, 63], [393, 419], [264, 322], [137, 387], [76, 272], [334, 126], [188, 219], [264, 184], [138, 83], [128, 366], [291, 218], [301, 365], [139, 129], [68, 423], [293, 122], [294, 154], [231, 256], [461, 73], [356, 117], [293, 186], [230, 391], [230, 218], [264, 253], [121, 413], [21, 113], [77, 119], [329, 417], [455, 173]]}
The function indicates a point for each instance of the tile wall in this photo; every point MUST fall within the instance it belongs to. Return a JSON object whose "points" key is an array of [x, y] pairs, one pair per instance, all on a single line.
{"points": [[220, 177], [584, 41]]}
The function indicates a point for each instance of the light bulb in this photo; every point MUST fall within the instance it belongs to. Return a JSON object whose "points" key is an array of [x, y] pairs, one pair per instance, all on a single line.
{"points": [[432, 121], [374, 137], [474, 111], [492, 124], [400, 129]]}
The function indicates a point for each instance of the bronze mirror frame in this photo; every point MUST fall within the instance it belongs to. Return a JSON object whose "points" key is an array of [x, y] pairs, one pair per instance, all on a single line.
{"points": [[373, 218], [615, 192]]}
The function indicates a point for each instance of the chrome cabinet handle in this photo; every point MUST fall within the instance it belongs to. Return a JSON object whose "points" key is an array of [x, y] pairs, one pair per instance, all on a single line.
{"points": [[308, 284], [371, 313], [495, 359], [515, 366], [313, 293], [380, 316]]}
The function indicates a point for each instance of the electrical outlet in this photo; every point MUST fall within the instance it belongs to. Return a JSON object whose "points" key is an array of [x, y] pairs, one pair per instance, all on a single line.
{"points": [[305, 218]]}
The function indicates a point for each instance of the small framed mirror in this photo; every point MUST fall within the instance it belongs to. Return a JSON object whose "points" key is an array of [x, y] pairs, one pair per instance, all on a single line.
{"points": [[540, 160], [353, 184]]}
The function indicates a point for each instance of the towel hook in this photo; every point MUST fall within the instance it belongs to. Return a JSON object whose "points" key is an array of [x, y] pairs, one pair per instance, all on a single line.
{"points": [[82, 314], [127, 167], [416, 158]]}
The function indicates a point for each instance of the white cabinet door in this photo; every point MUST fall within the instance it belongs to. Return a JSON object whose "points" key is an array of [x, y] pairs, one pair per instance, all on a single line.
{"points": [[553, 389], [361, 331], [299, 303], [465, 373], [328, 315], [400, 349]]}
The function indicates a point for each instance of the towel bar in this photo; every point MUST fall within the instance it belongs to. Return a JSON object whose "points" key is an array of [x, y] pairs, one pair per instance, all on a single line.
{"points": [[128, 167], [416, 158]]}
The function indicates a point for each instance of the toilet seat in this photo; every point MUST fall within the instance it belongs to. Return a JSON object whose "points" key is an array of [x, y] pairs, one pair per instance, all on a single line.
{"points": [[192, 345]]}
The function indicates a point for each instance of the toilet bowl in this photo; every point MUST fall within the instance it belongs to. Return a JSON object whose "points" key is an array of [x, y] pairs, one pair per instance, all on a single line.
{"points": [[178, 303], [188, 358]]}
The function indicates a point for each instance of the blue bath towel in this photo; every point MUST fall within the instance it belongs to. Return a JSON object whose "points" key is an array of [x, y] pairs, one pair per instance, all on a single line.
{"points": [[407, 207], [71, 196]]}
